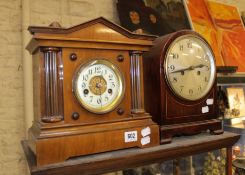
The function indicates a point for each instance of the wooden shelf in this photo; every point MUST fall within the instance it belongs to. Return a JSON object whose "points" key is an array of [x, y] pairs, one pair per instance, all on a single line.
{"points": [[130, 158]]}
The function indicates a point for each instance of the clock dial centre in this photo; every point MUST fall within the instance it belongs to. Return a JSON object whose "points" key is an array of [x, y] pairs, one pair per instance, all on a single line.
{"points": [[97, 85]]}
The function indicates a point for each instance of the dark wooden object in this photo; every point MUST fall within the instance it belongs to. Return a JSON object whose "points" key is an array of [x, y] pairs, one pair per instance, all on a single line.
{"points": [[176, 116], [62, 128], [133, 157], [229, 160], [227, 69]]}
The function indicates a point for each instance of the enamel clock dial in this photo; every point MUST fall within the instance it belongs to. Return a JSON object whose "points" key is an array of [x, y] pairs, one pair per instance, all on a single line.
{"points": [[190, 67], [99, 86]]}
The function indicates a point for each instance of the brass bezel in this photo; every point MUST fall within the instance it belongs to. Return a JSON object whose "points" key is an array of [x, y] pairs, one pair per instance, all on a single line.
{"points": [[212, 68], [120, 94]]}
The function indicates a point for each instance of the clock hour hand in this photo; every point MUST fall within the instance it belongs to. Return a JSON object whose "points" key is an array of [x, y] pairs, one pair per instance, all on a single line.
{"points": [[182, 70]]}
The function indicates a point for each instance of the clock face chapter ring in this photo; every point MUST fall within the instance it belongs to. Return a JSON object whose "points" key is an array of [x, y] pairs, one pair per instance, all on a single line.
{"points": [[189, 66], [98, 86]]}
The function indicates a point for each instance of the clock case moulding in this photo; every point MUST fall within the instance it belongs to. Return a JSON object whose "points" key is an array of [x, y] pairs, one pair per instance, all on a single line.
{"points": [[174, 115], [62, 128]]}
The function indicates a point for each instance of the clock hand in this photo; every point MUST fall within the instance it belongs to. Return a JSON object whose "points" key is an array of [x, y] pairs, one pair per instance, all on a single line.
{"points": [[100, 94], [189, 68], [199, 66], [182, 70]]}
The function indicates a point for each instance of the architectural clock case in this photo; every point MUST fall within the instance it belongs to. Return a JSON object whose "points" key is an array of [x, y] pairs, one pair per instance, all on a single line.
{"points": [[180, 85], [88, 91]]}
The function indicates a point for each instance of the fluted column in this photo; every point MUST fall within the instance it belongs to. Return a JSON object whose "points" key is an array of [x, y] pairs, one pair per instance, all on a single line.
{"points": [[53, 79], [136, 82]]}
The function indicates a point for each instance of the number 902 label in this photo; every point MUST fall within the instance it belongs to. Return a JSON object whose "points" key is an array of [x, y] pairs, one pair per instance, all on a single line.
{"points": [[130, 136]]}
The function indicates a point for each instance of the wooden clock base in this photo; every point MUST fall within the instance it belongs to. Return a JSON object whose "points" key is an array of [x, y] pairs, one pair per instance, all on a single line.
{"points": [[168, 131], [53, 145]]}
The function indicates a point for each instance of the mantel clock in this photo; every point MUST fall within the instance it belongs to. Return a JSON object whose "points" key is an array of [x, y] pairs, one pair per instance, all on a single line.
{"points": [[180, 85], [88, 91]]}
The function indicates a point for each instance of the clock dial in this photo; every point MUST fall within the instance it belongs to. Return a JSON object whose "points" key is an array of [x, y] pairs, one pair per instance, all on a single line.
{"points": [[99, 86], [190, 67]]}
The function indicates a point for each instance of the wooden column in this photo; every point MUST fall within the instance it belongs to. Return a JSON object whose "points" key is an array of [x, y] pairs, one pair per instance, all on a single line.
{"points": [[136, 82], [53, 79]]}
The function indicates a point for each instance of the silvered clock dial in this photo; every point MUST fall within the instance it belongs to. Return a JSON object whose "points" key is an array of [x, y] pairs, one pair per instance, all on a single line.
{"points": [[99, 86], [190, 67]]}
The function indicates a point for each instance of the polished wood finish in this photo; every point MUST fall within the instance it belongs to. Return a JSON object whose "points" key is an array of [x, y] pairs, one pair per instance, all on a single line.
{"points": [[189, 128], [137, 82], [62, 128], [165, 107], [229, 160], [134, 157], [53, 78]]}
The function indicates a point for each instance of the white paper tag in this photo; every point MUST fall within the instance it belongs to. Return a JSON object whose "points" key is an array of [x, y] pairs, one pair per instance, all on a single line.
{"points": [[130, 136], [146, 131], [210, 101], [205, 109], [145, 140]]}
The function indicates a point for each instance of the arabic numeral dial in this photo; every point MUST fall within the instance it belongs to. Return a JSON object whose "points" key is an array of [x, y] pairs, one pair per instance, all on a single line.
{"points": [[190, 67], [99, 86]]}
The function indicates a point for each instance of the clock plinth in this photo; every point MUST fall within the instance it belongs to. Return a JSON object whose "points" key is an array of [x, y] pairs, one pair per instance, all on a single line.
{"points": [[85, 79], [180, 85], [52, 145], [168, 131]]}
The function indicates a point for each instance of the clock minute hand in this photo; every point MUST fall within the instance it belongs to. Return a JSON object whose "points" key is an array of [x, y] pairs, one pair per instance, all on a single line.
{"points": [[199, 66], [189, 68], [100, 92]]}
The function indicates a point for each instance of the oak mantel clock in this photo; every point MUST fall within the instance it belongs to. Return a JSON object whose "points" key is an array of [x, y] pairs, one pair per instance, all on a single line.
{"points": [[88, 91], [180, 85]]}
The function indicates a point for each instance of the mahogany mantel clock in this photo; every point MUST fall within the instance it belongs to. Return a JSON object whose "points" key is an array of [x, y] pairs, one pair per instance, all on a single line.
{"points": [[180, 85], [88, 91]]}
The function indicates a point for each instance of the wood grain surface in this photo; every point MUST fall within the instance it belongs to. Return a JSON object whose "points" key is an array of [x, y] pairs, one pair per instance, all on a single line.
{"points": [[134, 157]]}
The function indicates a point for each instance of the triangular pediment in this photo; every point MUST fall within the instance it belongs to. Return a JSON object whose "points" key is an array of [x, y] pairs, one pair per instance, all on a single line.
{"points": [[97, 29], [97, 33]]}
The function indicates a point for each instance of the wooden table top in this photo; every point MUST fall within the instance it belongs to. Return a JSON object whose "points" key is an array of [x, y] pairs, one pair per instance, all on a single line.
{"points": [[133, 157]]}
